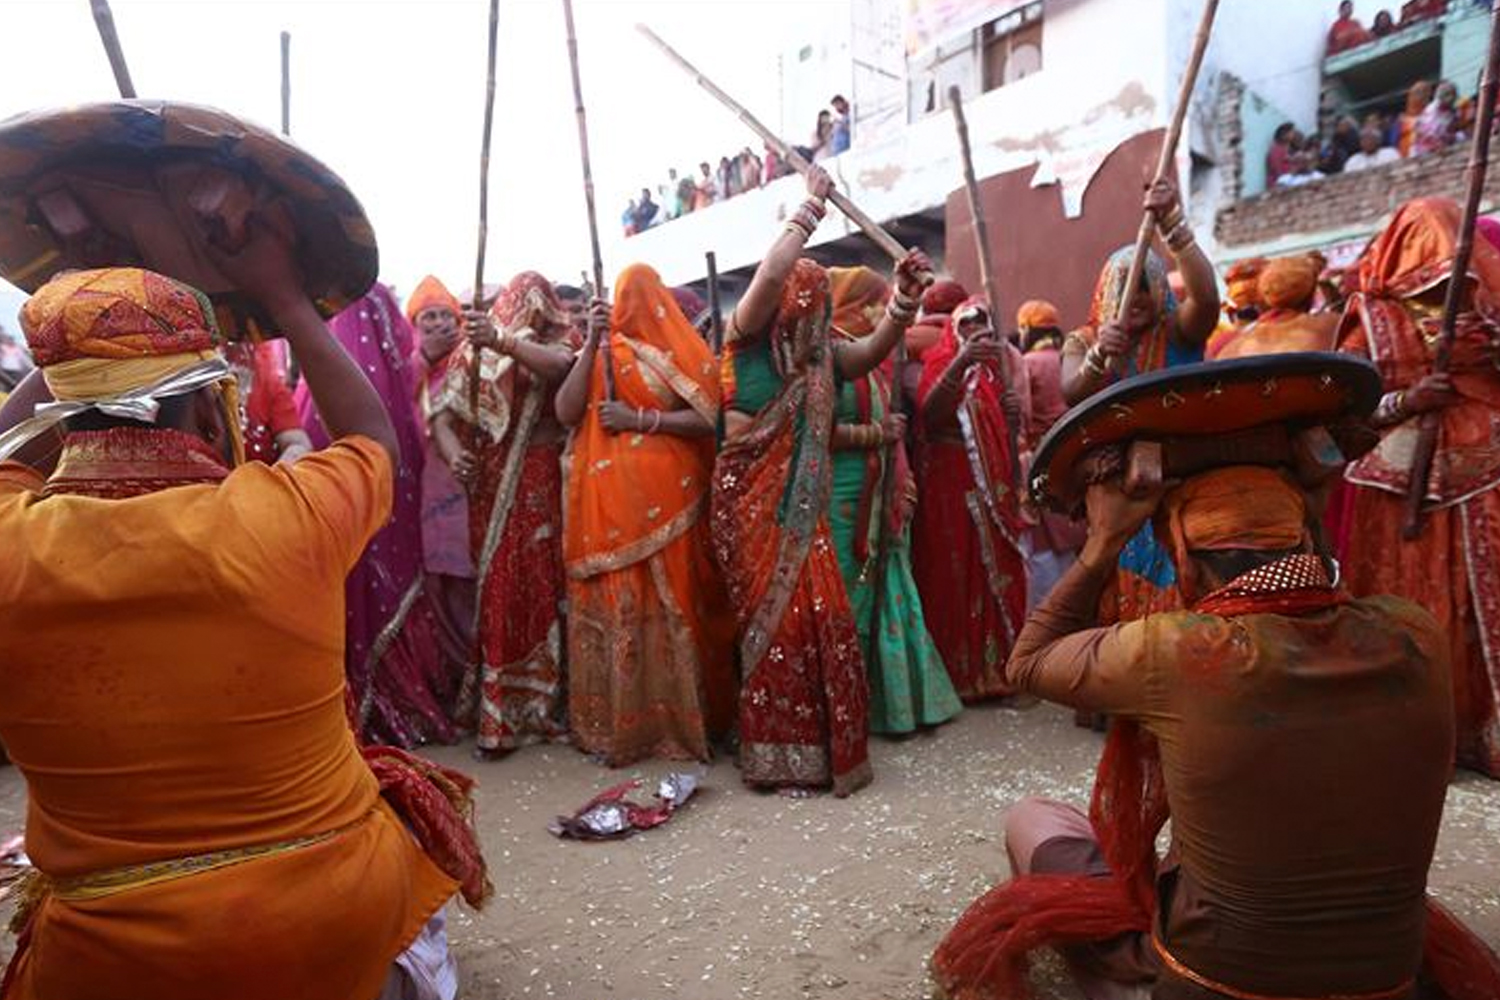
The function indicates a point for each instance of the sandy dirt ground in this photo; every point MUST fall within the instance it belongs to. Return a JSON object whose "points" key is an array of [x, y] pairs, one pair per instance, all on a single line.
{"points": [[745, 894]]}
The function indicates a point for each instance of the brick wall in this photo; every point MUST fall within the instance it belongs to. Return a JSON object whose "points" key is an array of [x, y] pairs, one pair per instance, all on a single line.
{"points": [[1345, 201], [1231, 135]]}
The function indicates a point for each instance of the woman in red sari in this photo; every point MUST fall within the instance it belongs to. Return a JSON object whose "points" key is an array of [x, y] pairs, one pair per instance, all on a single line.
{"points": [[514, 533], [805, 699], [969, 566], [1450, 567], [651, 671]]}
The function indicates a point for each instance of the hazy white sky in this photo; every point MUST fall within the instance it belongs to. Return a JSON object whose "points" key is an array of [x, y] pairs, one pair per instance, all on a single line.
{"points": [[390, 94]]}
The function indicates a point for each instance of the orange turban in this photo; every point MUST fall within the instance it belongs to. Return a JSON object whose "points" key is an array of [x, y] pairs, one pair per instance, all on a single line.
{"points": [[431, 292], [1290, 282], [118, 340], [1236, 507], [1036, 314], [116, 314], [1242, 279]]}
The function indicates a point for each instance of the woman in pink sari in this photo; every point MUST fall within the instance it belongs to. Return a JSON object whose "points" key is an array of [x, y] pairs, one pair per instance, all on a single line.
{"points": [[400, 692]]}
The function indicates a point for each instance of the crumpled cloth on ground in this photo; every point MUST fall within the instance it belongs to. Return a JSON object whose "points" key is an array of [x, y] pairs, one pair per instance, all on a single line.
{"points": [[611, 816]]}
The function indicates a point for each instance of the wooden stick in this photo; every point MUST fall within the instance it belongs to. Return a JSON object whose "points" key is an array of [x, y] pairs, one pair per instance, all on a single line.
{"points": [[888, 499], [1479, 158], [715, 315], [105, 22], [1168, 155], [869, 226], [286, 83], [484, 210], [987, 276], [588, 196]]}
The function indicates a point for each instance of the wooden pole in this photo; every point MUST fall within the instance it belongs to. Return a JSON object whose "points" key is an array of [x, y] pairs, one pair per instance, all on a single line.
{"points": [[987, 276], [715, 315], [1168, 152], [869, 226], [888, 499], [286, 83], [588, 195], [104, 20], [1479, 158], [484, 208]]}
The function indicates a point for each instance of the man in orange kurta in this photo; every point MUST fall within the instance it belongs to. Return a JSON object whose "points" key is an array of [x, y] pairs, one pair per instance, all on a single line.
{"points": [[201, 818]]}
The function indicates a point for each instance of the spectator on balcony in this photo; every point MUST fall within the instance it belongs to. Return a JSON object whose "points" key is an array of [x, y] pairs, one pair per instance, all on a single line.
{"points": [[839, 138], [627, 218], [1304, 170], [1417, 99], [751, 170], [775, 166], [668, 194], [1372, 152], [723, 181], [705, 195], [1347, 32], [1279, 158], [646, 211], [822, 139], [687, 194], [1383, 25], [1437, 126], [1342, 143], [1414, 11]]}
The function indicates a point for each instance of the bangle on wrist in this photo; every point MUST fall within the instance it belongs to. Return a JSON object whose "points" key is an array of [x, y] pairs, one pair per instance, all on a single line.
{"points": [[640, 419], [1094, 361], [655, 421]]}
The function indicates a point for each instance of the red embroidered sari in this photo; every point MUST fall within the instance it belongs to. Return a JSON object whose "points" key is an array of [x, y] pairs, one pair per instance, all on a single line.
{"points": [[804, 703], [515, 534], [1450, 568], [968, 562]]}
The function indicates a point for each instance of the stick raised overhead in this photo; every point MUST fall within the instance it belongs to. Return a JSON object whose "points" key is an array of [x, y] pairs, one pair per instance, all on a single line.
{"points": [[1169, 149], [869, 226], [104, 20], [588, 192], [484, 205]]}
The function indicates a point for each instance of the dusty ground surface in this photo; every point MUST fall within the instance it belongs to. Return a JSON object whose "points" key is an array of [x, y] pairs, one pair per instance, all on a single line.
{"points": [[751, 895]]}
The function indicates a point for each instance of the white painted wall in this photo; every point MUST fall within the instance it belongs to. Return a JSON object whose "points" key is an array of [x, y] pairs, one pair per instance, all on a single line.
{"points": [[1065, 119]]}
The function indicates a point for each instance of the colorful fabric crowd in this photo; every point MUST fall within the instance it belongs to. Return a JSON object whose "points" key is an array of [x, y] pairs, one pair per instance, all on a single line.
{"points": [[573, 523]]}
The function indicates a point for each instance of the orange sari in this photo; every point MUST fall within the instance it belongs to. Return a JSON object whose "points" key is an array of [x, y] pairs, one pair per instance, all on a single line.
{"points": [[649, 637], [1450, 568]]}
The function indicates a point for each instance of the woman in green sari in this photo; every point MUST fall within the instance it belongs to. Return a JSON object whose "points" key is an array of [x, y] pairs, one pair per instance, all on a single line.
{"points": [[909, 687]]}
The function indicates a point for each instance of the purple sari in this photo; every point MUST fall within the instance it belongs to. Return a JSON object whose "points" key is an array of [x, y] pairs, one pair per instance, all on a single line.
{"points": [[401, 685]]}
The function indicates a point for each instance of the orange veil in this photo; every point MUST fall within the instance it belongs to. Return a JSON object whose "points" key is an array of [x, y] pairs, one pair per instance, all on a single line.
{"points": [[630, 494]]}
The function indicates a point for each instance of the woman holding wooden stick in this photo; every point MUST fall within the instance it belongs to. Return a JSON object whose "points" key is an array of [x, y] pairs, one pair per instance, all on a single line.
{"points": [[651, 671], [804, 701], [1449, 568], [1156, 331], [515, 532]]}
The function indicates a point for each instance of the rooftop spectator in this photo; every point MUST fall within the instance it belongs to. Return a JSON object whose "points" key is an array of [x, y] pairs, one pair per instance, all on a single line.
{"points": [[1303, 170], [1414, 11], [1372, 152], [1347, 32], [1279, 157], [1383, 25], [1437, 126], [705, 194], [750, 170], [839, 138], [646, 211], [1417, 99], [627, 218], [775, 166], [687, 193], [1341, 144]]}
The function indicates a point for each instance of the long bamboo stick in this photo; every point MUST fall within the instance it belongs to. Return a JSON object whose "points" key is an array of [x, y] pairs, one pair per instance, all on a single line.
{"points": [[104, 20], [1168, 153], [869, 226], [987, 276], [715, 315], [1479, 158], [588, 195], [484, 208], [286, 83], [888, 500]]}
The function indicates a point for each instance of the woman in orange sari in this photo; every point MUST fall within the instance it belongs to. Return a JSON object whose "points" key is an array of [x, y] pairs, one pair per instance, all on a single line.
{"points": [[650, 662], [1449, 568], [514, 532], [805, 699]]}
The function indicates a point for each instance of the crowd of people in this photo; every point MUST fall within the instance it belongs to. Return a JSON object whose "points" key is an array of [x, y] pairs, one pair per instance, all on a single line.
{"points": [[1433, 119], [568, 521], [735, 175]]}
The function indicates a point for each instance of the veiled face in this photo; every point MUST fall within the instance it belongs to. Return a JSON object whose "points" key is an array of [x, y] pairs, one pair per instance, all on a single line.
{"points": [[971, 322]]}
